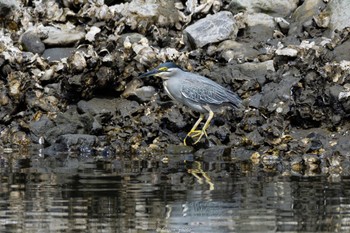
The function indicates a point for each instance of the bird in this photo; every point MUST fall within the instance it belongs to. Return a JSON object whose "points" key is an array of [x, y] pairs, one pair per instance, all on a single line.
{"points": [[195, 91]]}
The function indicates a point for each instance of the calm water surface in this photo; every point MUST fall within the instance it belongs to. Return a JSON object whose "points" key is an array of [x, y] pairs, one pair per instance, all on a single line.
{"points": [[71, 193]]}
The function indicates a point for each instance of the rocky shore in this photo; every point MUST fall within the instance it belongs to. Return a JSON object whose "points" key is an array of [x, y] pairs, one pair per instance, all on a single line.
{"points": [[69, 77]]}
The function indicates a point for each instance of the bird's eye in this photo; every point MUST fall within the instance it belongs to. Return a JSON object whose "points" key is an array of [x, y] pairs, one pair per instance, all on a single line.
{"points": [[163, 69]]}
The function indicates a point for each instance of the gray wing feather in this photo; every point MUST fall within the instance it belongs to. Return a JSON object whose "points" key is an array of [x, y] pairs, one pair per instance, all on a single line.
{"points": [[205, 91]]}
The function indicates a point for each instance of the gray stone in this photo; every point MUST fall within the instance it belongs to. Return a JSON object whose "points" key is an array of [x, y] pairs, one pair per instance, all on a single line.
{"points": [[341, 52], [232, 50], [31, 42], [58, 37], [52, 133], [98, 106], [213, 153], [274, 93], [39, 128], [282, 8], [338, 11], [126, 107], [260, 26], [56, 54], [78, 140], [304, 13], [213, 28], [135, 88]]}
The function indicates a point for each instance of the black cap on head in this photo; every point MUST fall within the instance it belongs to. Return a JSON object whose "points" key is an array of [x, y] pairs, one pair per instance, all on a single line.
{"points": [[168, 64]]}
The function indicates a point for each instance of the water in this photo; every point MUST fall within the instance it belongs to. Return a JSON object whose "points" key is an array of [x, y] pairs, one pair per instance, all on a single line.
{"points": [[72, 193]]}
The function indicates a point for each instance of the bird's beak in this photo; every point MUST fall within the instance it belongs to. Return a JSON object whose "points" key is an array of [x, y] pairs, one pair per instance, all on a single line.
{"points": [[150, 73]]}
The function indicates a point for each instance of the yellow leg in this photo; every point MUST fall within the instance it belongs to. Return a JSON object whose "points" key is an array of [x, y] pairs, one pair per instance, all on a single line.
{"points": [[206, 125], [194, 132]]}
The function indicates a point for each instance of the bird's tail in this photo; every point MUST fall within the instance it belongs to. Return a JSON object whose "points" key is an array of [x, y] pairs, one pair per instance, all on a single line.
{"points": [[235, 101]]}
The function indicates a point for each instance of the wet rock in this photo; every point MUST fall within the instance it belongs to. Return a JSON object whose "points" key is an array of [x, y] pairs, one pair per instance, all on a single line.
{"points": [[61, 37], [254, 139], [297, 164], [56, 54], [31, 42], [40, 128], [179, 149], [213, 28], [214, 153], [312, 161], [80, 142]]}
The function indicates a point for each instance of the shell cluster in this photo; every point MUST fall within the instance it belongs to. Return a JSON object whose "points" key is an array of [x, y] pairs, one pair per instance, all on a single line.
{"points": [[69, 74]]}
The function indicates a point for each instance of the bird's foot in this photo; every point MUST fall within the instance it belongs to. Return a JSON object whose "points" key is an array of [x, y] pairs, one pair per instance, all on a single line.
{"points": [[194, 134]]}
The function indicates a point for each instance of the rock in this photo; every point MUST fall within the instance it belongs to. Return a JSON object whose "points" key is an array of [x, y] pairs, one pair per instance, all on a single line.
{"points": [[260, 26], [56, 54], [102, 107], [283, 24], [77, 62], [31, 42], [255, 139], [337, 13], [78, 140], [255, 69], [233, 50], [127, 108], [213, 28], [7, 6], [341, 52], [144, 93], [175, 118], [289, 52], [276, 92], [140, 14], [214, 153], [40, 128], [179, 149], [61, 37], [282, 8], [304, 13]]}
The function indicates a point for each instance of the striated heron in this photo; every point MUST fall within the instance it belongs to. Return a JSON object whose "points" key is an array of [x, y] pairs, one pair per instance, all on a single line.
{"points": [[195, 91]]}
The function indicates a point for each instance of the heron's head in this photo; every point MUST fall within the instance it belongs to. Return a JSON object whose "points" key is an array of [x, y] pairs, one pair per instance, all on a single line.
{"points": [[165, 71]]}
